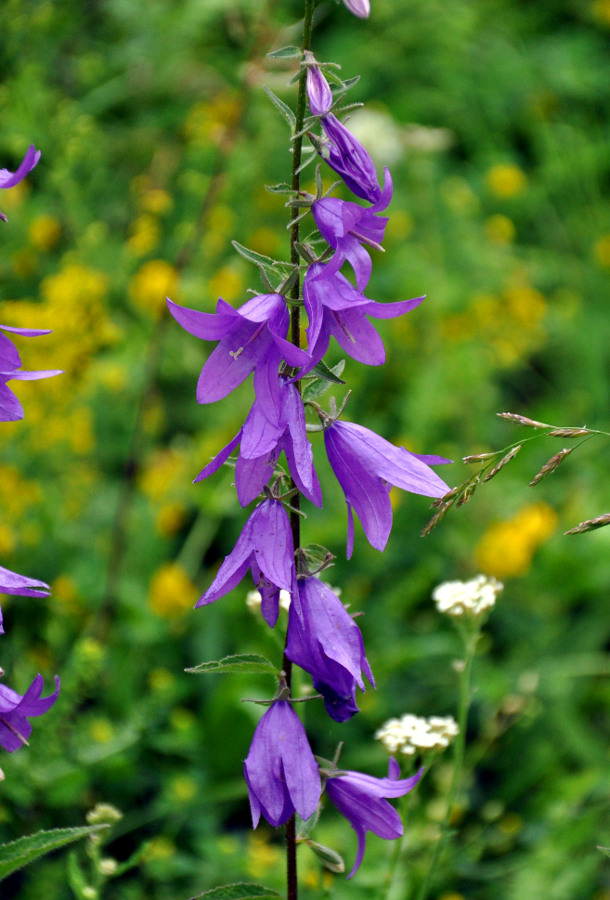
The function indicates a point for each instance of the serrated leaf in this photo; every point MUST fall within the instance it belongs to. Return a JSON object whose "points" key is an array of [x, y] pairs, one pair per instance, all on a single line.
{"points": [[245, 663], [17, 854], [259, 259], [240, 891], [286, 53], [282, 188], [282, 108]]}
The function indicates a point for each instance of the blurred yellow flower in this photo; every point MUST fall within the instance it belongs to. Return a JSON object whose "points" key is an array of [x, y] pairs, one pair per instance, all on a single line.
{"points": [[65, 592], [14, 198], [161, 680], [601, 11], [208, 122], [262, 856], [159, 848], [143, 235], [44, 232], [152, 284], [156, 201], [170, 518], [499, 229], [162, 473], [101, 730], [226, 283], [506, 548], [601, 248], [505, 180], [265, 240], [171, 592], [182, 788]]}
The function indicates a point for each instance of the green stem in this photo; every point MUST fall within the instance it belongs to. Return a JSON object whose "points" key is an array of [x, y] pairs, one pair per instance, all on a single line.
{"points": [[458, 762]]}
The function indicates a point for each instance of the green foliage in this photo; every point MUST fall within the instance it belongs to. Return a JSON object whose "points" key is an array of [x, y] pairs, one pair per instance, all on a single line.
{"points": [[17, 854]]}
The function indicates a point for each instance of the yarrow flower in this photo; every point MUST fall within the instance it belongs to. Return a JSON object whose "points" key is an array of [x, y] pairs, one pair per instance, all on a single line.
{"points": [[365, 465], [12, 583], [10, 179], [280, 770], [467, 599], [411, 734], [265, 546], [15, 710], [11, 409], [361, 799]]}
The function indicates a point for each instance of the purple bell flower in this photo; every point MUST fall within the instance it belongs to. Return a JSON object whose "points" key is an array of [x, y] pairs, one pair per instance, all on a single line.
{"points": [[351, 161], [11, 409], [10, 179], [263, 436], [15, 710], [361, 799], [325, 641], [280, 770], [265, 546], [360, 8], [12, 583], [334, 307], [319, 93], [251, 339], [348, 227], [366, 465]]}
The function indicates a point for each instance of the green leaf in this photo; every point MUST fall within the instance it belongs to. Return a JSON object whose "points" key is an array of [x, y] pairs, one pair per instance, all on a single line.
{"points": [[76, 877], [325, 377], [282, 188], [330, 859], [17, 854], [285, 111], [286, 53], [259, 260], [246, 663], [605, 850], [241, 891]]}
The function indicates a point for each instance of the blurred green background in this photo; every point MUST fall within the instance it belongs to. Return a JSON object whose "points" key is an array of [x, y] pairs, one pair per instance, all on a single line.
{"points": [[157, 139]]}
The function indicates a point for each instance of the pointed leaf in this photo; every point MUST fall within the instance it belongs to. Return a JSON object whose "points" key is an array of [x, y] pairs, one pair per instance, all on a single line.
{"points": [[282, 188], [17, 854], [285, 110], [324, 377], [241, 891], [605, 850], [286, 53], [245, 663], [259, 259]]}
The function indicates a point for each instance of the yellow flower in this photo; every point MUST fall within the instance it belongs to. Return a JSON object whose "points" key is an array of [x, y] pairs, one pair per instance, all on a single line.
{"points": [[171, 593], [65, 592], [156, 201], [170, 518], [143, 235], [262, 856], [44, 232], [601, 248], [161, 680], [505, 180], [152, 284], [226, 283], [182, 788], [506, 548], [499, 229], [101, 731]]}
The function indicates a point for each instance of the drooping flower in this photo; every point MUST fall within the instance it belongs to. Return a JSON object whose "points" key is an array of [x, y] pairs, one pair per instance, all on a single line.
{"points": [[266, 547], [251, 339], [280, 770], [351, 161], [334, 307], [10, 179], [349, 227], [360, 8], [263, 436], [12, 583], [15, 710], [318, 89], [326, 642], [361, 799], [366, 465], [11, 409]]}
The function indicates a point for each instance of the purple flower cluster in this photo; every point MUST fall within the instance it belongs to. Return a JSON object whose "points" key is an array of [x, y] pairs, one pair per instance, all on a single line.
{"points": [[322, 637], [15, 709]]}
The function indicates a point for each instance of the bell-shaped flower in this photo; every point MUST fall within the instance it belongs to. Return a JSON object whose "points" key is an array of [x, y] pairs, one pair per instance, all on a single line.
{"points": [[360, 8], [319, 93], [349, 228], [366, 465], [336, 308], [351, 161], [10, 179], [12, 583], [251, 339], [280, 770], [15, 710], [362, 800], [11, 409], [262, 437], [265, 546], [325, 641]]}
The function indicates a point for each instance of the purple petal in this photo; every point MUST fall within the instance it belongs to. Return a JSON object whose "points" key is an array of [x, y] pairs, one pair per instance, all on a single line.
{"points": [[219, 459], [10, 179], [207, 326]]}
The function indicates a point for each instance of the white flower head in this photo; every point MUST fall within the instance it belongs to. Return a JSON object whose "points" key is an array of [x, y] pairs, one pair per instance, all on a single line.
{"points": [[467, 598], [415, 734]]}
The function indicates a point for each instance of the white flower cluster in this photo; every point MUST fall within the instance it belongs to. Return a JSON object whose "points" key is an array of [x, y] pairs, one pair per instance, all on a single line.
{"points": [[467, 598], [253, 600], [411, 734]]}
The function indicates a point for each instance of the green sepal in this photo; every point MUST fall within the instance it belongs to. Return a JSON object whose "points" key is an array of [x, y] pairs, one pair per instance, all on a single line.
{"points": [[330, 859], [244, 663], [241, 891], [17, 854], [286, 53], [282, 108]]}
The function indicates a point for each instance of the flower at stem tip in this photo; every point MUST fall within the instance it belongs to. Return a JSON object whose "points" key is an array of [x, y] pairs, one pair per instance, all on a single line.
{"points": [[15, 710], [360, 8]]}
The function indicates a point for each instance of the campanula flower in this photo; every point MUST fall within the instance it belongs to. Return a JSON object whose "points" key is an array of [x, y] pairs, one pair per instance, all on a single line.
{"points": [[318, 89], [251, 339], [366, 465], [280, 770], [11, 409], [325, 641], [262, 437], [348, 228], [361, 799], [15, 710], [12, 583], [351, 161], [10, 179], [334, 307], [265, 546], [360, 8]]}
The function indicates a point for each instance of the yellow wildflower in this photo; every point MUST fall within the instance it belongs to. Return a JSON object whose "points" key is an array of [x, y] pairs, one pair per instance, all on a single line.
{"points": [[262, 857], [506, 548], [143, 235], [101, 730], [499, 229], [171, 593], [44, 232], [505, 180], [152, 284], [156, 201], [170, 518], [65, 593], [226, 283]]}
